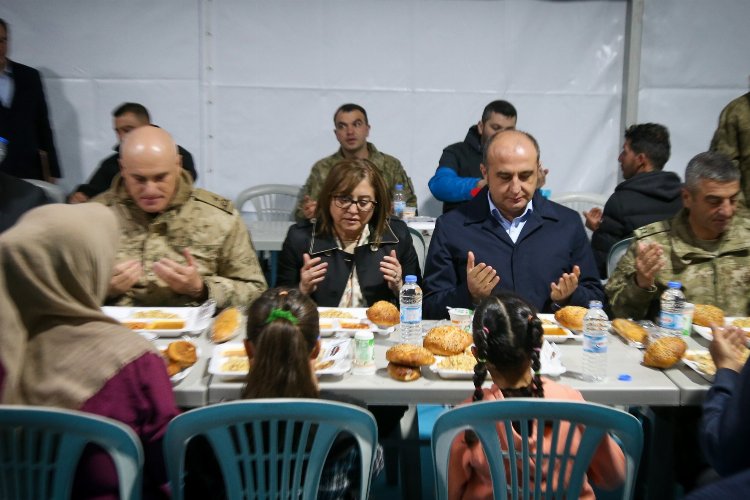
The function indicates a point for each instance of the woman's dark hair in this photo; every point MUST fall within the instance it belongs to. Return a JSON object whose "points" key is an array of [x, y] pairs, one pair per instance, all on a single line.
{"points": [[341, 181], [281, 364], [507, 334]]}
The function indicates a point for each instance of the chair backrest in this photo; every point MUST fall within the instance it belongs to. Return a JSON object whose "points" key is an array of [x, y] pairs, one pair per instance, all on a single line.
{"points": [[271, 448], [616, 253], [419, 245], [271, 201], [580, 202], [493, 418], [54, 193], [40, 449]]}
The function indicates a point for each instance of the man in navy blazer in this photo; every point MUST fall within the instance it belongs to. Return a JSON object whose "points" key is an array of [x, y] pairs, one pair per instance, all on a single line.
{"points": [[510, 237], [23, 119]]}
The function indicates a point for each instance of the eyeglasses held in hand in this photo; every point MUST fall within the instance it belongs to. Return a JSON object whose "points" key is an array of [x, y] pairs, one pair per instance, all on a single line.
{"points": [[363, 204]]}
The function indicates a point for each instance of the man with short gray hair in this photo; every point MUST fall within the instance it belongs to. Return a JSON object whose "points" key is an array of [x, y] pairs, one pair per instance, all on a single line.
{"points": [[704, 247]]}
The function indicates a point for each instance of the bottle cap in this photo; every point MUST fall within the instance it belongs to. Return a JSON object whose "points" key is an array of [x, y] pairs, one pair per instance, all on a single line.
{"points": [[410, 278], [399, 187], [674, 284], [364, 335], [594, 304], [625, 377]]}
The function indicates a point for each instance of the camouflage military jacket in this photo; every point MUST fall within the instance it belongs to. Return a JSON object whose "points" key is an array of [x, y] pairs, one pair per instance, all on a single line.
{"points": [[720, 276], [732, 137], [391, 169], [207, 225]]}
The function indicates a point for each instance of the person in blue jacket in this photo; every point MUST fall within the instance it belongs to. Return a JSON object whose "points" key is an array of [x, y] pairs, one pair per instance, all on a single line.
{"points": [[458, 173], [510, 237]]}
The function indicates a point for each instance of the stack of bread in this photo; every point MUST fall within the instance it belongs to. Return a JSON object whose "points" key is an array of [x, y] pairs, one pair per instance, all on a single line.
{"points": [[179, 355], [405, 361]]}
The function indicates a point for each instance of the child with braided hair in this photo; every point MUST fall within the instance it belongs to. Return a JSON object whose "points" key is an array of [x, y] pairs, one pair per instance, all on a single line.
{"points": [[508, 337]]}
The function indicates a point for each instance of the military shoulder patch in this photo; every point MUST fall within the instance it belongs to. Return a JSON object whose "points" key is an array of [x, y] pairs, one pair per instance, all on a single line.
{"points": [[214, 200], [654, 228]]}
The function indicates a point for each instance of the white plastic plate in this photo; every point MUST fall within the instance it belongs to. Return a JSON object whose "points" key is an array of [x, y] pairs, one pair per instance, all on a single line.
{"points": [[188, 314]]}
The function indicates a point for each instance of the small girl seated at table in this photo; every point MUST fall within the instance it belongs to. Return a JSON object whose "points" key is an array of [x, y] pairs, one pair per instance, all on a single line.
{"points": [[508, 338], [283, 331]]}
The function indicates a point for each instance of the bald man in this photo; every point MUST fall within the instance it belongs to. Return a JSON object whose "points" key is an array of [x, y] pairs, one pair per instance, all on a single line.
{"points": [[179, 245], [508, 237]]}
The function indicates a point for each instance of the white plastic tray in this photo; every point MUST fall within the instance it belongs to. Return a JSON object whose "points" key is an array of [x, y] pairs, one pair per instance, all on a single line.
{"points": [[188, 314]]}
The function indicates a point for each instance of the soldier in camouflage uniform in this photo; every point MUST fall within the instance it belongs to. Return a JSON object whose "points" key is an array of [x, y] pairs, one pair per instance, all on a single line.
{"points": [[352, 130], [705, 247], [732, 138], [179, 245]]}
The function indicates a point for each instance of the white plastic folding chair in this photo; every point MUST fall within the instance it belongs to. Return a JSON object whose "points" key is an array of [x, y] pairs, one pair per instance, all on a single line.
{"points": [[54, 192], [581, 202], [270, 201]]}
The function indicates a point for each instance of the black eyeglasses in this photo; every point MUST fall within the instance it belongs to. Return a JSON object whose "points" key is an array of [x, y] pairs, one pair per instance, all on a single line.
{"points": [[363, 204]]}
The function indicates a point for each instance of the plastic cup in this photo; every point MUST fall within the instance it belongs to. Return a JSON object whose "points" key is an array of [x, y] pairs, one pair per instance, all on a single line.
{"points": [[461, 318]]}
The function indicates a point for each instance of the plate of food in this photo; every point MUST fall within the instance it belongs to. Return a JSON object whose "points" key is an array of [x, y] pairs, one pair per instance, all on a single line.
{"points": [[344, 320], [162, 321], [334, 357], [461, 366], [700, 361], [180, 357], [741, 321], [554, 331]]}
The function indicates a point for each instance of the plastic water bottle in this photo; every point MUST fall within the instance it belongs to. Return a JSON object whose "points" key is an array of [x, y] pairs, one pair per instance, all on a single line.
{"points": [[3, 148], [672, 307], [595, 326], [411, 311], [399, 201]]}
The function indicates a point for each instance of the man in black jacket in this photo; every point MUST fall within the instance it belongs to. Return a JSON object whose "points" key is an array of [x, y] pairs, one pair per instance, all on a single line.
{"points": [[126, 117], [648, 194], [24, 121]]}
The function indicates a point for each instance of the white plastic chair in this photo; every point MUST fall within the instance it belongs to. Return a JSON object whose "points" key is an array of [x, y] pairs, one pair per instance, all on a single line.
{"points": [[419, 246], [581, 202], [54, 192], [271, 201], [616, 253]]}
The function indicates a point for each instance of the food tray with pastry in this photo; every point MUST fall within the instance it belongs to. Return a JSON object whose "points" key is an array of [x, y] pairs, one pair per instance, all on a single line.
{"points": [[742, 322], [554, 331], [635, 334], [180, 357], [461, 366], [347, 320], [162, 321], [230, 360], [700, 360]]}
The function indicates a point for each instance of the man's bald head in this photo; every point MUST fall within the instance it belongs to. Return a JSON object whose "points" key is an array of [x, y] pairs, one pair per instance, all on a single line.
{"points": [[150, 167]]}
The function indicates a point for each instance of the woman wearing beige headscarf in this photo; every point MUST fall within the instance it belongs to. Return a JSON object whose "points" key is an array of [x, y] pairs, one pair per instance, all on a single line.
{"points": [[57, 348]]}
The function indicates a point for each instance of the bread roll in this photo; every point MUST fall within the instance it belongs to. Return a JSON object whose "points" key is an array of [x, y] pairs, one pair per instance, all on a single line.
{"points": [[630, 330], [571, 317], [664, 352], [707, 315], [447, 340], [403, 373], [182, 352], [384, 314], [409, 355]]}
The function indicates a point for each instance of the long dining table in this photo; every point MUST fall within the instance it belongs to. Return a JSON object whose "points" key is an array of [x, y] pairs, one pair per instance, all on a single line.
{"points": [[628, 383]]}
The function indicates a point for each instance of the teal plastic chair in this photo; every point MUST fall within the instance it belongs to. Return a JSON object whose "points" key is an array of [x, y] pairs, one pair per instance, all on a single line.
{"points": [[40, 448], [270, 448], [489, 418]]}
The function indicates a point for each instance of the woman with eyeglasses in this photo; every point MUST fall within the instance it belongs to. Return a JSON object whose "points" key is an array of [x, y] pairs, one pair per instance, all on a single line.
{"points": [[352, 254]]}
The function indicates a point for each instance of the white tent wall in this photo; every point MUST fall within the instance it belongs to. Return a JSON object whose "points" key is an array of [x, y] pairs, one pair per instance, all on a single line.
{"points": [[249, 87]]}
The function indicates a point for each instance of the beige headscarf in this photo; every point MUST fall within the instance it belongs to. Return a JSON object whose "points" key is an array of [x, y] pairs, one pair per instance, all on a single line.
{"points": [[56, 345]]}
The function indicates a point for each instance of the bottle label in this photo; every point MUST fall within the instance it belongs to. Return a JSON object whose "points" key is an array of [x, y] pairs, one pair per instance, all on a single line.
{"points": [[596, 344], [399, 207], [670, 321], [411, 313], [364, 351]]}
